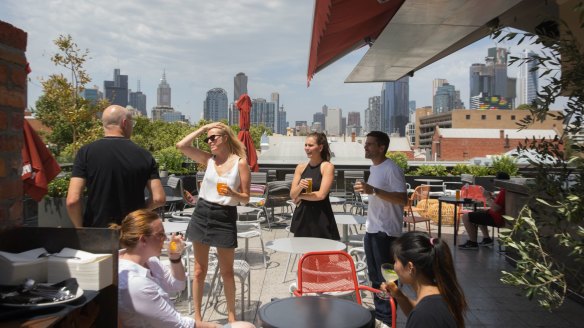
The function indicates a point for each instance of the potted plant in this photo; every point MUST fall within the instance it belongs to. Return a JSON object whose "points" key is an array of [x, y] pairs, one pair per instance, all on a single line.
{"points": [[52, 209]]}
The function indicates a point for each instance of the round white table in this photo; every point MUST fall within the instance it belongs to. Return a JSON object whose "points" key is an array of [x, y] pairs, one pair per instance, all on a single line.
{"points": [[337, 200], [172, 227], [346, 220], [301, 245]]}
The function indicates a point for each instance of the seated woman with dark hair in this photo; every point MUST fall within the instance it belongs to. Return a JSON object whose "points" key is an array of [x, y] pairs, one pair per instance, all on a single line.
{"points": [[426, 265], [144, 282]]}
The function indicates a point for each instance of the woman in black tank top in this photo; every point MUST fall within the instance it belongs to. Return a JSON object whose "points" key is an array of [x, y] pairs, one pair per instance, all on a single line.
{"points": [[314, 216]]}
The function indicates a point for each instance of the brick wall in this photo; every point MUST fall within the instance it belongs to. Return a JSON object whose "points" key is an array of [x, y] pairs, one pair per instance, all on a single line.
{"points": [[463, 149], [12, 106]]}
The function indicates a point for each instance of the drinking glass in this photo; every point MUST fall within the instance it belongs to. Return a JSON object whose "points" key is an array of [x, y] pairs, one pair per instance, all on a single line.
{"points": [[388, 274], [309, 188], [221, 186]]}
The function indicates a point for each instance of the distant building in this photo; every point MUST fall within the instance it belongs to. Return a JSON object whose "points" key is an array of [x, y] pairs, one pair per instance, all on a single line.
{"points": [[276, 100], [282, 123], [333, 122], [163, 92], [446, 99], [174, 116], [300, 123], [239, 85], [464, 144], [116, 91], [138, 100], [395, 106], [93, 95], [491, 80], [215, 105], [319, 118], [354, 118], [263, 112], [373, 114], [426, 122], [436, 83], [528, 80]]}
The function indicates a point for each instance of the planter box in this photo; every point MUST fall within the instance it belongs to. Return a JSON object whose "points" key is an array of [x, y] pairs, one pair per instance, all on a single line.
{"points": [[52, 212]]}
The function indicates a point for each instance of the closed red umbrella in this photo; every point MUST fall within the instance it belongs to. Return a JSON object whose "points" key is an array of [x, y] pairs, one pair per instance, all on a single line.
{"points": [[39, 166], [244, 106]]}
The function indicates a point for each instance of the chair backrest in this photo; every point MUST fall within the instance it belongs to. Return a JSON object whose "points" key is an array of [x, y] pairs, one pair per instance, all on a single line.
{"points": [[475, 192], [259, 177], [327, 271], [277, 193], [421, 192], [289, 176], [257, 190]]}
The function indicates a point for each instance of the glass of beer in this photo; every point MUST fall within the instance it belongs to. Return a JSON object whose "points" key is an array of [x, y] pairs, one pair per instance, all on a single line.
{"points": [[222, 186], [458, 194], [309, 188]]}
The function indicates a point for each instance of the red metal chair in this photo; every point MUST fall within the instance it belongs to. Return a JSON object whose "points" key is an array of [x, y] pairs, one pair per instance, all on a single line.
{"points": [[329, 272]]}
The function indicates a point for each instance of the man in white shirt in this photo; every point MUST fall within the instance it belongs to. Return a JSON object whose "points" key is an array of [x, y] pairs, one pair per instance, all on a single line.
{"points": [[387, 191]]}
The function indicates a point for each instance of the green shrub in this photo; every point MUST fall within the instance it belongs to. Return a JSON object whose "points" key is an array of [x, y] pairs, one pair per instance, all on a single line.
{"points": [[58, 187], [430, 170], [479, 171], [399, 158], [170, 159], [505, 164], [459, 169]]}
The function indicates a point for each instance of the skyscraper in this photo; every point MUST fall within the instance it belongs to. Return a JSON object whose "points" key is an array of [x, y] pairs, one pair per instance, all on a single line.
{"points": [[116, 91], [239, 85], [215, 105], [276, 100], [282, 124], [333, 122], [528, 80], [319, 118], [163, 92], [92, 94], [394, 106], [263, 112], [138, 100], [354, 118], [446, 99], [491, 80], [436, 83], [373, 114]]}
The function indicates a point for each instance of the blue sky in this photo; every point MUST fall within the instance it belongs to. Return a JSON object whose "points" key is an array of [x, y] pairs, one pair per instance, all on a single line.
{"points": [[203, 44]]}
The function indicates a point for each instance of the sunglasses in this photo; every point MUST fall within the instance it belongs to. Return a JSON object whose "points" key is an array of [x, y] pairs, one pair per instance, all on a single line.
{"points": [[212, 138]]}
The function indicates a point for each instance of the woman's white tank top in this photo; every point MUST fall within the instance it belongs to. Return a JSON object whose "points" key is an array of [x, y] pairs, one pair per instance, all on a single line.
{"points": [[208, 189]]}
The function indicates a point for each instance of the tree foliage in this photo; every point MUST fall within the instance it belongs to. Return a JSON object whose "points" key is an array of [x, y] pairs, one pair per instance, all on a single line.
{"points": [[399, 158], [72, 119], [548, 236]]}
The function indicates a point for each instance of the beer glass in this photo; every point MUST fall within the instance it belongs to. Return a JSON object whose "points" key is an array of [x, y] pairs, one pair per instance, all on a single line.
{"points": [[222, 186]]}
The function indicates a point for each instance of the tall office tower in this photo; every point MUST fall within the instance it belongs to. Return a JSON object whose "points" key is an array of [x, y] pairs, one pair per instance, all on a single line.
{"points": [[301, 123], [374, 118], [324, 109], [366, 120], [263, 112], [319, 117], [93, 95], [116, 91], [445, 98], [458, 103], [163, 92], [491, 79], [282, 124], [343, 125], [333, 122], [215, 105], [435, 85], [412, 106], [239, 85], [276, 100], [528, 81], [354, 118], [394, 106], [138, 101]]}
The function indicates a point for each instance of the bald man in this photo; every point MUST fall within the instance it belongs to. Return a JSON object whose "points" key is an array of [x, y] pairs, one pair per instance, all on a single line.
{"points": [[116, 172]]}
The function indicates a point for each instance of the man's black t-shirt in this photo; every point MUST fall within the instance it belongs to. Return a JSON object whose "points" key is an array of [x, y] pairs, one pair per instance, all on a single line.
{"points": [[431, 312], [116, 171]]}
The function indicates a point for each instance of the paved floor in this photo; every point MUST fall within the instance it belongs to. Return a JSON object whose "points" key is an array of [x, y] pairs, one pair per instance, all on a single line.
{"points": [[491, 303]]}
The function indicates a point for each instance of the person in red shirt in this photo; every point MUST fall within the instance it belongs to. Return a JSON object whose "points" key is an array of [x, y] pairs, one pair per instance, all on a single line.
{"points": [[492, 217]]}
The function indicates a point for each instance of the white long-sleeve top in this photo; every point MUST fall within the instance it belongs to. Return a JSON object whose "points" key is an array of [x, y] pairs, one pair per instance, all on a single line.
{"points": [[143, 299]]}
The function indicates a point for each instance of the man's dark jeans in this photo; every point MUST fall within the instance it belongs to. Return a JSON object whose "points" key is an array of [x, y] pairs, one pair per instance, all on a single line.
{"points": [[378, 251]]}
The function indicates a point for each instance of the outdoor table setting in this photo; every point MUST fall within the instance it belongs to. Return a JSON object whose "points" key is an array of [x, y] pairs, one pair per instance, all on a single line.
{"points": [[301, 245], [314, 311], [348, 219], [454, 201]]}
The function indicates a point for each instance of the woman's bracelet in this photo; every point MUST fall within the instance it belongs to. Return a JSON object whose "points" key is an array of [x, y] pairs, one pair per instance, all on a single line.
{"points": [[178, 260]]}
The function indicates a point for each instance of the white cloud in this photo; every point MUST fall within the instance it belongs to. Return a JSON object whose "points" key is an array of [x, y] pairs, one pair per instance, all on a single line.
{"points": [[203, 44]]}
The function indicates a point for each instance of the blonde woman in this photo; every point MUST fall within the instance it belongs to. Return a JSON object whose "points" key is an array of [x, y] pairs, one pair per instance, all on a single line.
{"points": [[144, 282], [214, 219]]}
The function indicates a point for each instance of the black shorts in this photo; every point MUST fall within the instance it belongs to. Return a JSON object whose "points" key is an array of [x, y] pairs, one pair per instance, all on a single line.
{"points": [[213, 224], [481, 218]]}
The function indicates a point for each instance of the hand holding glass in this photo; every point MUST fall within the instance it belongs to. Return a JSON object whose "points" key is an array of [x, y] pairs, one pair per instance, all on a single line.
{"points": [[309, 188], [388, 274], [222, 186]]}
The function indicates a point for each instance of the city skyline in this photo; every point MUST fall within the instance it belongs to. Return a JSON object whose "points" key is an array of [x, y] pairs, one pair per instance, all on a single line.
{"points": [[207, 45]]}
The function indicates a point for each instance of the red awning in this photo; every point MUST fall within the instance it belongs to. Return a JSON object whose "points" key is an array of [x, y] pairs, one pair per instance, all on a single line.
{"points": [[244, 105], [341, 26], [39, 166]]}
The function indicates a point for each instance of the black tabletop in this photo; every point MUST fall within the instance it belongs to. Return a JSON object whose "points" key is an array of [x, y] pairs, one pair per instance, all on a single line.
{"points": [[315, 311], [453, 200]]}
